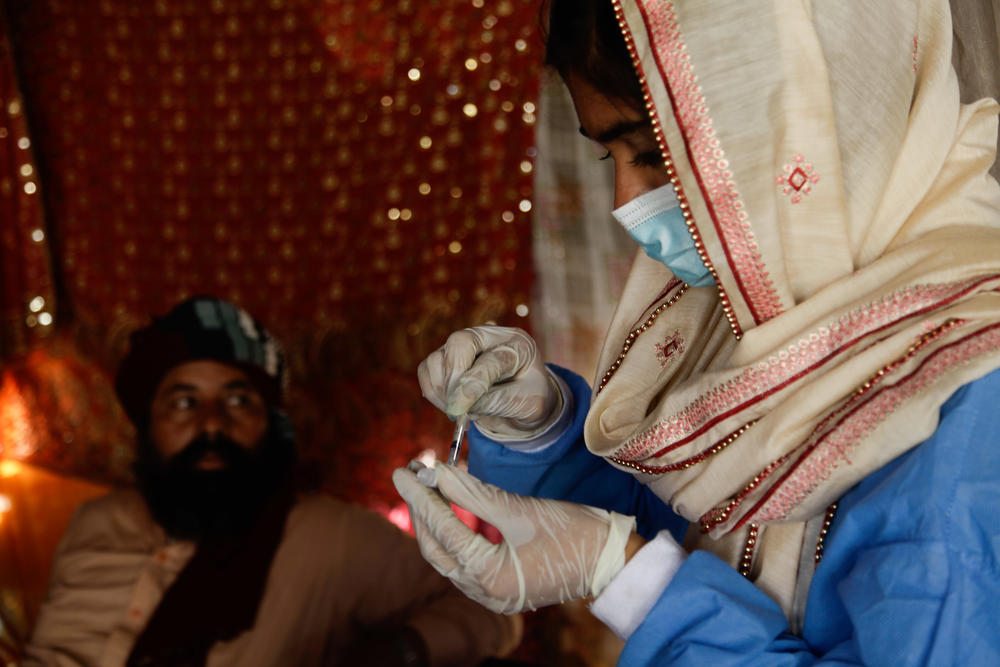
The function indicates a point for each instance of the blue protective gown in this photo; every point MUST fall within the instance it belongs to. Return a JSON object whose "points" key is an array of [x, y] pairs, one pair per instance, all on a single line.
{"points": [[911, 567]]}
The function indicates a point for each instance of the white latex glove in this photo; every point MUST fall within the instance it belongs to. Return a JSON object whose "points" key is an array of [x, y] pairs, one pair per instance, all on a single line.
{"points": [[495, 375], [552, 551]]}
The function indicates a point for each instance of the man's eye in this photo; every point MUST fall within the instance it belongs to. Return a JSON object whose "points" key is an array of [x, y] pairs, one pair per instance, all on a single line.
{"points": [[237, 400], [606, 155], [182, 403]]}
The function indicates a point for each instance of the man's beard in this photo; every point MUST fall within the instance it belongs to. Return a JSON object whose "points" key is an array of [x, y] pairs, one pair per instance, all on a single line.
{"points": [[191, 503]]}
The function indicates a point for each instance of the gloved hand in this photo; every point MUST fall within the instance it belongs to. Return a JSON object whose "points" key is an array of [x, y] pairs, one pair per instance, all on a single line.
{"points": [[493, 374], [552, 551]]}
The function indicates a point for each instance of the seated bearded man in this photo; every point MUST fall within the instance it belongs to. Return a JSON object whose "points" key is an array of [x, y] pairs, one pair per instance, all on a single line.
{"points": [[215, 558]]}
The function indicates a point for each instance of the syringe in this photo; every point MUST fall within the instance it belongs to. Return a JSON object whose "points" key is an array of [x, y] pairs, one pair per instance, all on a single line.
{"points": [[456, 439]]}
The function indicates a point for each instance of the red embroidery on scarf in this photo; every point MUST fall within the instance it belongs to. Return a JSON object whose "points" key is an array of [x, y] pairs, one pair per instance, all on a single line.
{"points": [[915, 42], [669, 349], [754, 384], [638, 331], [815, 465], [720, 515], [797, 178], [711, 168]]}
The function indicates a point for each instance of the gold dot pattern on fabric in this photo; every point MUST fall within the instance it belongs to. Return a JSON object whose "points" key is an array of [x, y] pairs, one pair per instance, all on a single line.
{"points": [[27, 291], [275, 150]]}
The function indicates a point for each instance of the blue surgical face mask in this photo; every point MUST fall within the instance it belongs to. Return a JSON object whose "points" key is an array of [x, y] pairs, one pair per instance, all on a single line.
{"points": [[655, 220]]}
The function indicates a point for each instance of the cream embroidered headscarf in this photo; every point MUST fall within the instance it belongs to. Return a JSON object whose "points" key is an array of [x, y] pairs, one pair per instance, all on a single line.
{"points": [[841, 198]]}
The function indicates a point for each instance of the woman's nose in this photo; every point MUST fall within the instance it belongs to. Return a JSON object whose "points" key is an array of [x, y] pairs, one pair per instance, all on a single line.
{"points": [[632, 181]]}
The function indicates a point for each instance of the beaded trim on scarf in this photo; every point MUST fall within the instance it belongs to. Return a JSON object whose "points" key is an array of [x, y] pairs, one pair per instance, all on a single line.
{"points": [[753, 534], [694, 460], [727, 307], [711, 167], [635, 333], [831, 511]]}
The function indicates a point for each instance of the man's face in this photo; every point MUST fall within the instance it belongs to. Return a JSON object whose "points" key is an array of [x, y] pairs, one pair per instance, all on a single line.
{"points": [[210, 457], [206, 398]]}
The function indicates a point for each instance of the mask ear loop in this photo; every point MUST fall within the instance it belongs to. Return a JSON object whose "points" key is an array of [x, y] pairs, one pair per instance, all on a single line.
{"points": [[647, 205]]}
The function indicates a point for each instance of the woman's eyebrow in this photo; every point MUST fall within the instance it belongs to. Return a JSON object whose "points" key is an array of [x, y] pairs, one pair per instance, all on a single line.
{"points": [[618, 130]]}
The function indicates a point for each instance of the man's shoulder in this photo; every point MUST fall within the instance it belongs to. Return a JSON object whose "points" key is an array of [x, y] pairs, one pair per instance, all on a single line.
{"points": [[117, 519], [114, 500]]}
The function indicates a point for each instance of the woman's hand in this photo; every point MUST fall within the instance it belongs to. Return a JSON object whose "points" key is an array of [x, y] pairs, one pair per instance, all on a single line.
{"points": [[552, 551], [494, 375]]}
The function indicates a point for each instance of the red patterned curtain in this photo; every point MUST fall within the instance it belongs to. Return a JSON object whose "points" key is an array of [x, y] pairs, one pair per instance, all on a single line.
{"points": [[356, 174], [26, 288]]}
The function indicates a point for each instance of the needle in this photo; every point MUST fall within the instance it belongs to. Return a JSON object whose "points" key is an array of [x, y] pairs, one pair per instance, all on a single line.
{"points": [[456, 439]]}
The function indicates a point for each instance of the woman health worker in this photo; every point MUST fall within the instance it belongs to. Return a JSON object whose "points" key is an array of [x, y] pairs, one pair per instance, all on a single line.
{"points": [[788, 454]]}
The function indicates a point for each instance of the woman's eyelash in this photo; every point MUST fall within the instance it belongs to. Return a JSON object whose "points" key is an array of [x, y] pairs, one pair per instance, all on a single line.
{"points": [[648, 159]]}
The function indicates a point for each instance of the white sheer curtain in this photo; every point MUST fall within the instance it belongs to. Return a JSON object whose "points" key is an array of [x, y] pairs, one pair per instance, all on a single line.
{"points": [[582, 255], [976, 52]]}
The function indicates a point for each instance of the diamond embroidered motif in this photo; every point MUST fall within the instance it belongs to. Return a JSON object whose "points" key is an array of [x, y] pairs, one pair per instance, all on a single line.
{"points": [[797, 178], [672, 347]]}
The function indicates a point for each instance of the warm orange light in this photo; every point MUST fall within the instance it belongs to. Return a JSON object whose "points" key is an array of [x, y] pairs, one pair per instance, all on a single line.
{"points": [[4, 504], [17, 438], [10, 468]]}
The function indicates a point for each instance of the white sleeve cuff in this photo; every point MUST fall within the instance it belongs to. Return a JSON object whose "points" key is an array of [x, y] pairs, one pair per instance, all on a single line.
{"points": [[552, 433], [623, 605]]}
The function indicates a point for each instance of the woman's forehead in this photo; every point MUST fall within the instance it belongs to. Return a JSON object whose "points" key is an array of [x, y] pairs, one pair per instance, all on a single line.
{"points": [[602, 118]]}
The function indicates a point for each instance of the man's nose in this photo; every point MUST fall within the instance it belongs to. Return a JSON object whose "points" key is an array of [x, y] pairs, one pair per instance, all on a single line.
{"points": [[213, 418]]}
